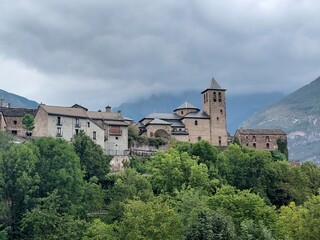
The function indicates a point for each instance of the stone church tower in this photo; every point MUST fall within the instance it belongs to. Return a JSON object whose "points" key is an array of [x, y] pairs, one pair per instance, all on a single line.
{"points": [[214, 104]]}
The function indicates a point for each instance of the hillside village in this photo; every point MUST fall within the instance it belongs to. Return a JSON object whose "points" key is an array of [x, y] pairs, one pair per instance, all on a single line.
{"points": [[186, 123]]}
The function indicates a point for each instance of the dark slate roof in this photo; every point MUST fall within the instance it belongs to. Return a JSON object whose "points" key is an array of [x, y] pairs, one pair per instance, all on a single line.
{"points": [[158, 121], [197, 115], [214, 85], [261, 131], [176, 123], [163, 116], [186, 105], [17, 112]]}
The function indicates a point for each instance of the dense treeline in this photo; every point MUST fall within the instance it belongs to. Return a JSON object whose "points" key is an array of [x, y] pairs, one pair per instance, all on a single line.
{"points": [[54, 189]]}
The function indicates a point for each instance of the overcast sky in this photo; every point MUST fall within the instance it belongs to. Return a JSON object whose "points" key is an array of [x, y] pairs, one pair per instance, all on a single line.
{"points": [[105, 52]]}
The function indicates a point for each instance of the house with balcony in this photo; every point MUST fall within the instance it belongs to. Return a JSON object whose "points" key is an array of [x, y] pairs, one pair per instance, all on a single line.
{"points": [[108, 129]]}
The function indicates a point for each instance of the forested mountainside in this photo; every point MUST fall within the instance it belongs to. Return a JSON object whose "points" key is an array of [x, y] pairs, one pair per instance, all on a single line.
{"points": [[299, 115], [16, 101]]}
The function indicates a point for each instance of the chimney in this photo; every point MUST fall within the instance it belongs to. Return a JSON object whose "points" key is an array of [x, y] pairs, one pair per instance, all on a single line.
{"points": [[1, 102], [108, 108]]}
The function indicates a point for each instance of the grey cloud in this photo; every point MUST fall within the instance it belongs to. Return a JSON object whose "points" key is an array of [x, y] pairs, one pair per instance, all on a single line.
{"points": [[144, 47]]}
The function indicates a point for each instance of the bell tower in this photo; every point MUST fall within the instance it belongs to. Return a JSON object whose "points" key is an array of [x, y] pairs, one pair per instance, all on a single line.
{"points": [[214, 104]]}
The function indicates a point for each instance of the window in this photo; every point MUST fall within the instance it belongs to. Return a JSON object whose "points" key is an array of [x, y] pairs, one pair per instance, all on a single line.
{"points": [[59, 123], [219, 140], [199, 138], [214, 96], [181, 112], [268, 146], [14, 122], [219, 96], [254, 145], [221, 111], [217, 118], [88, 124], [77, 122], [196, 122], [117, 138], [94, 135], [59, 133], [267, 139], [253, 138], [77, 131], [14, 132]]}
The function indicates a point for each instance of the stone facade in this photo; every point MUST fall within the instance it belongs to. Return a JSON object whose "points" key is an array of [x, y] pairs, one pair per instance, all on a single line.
{"points": [[263, 139], [11, 120], [187, 123]]}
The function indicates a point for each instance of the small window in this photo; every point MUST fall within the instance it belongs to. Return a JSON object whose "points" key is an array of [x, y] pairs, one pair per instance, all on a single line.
{"points": [[247, 144], [59, 121], [77, 122], [221, 111], [94, 135], [214, 96], [14, 132], [181, 112], [219, 96], [196, 122], [254, 145], [217, 118], [59, 133], [14, 122], [268, 146], [199, 138], [267, 139], [219, 142], [88, 124], [117, 138], [253, 138], [77, 131]]}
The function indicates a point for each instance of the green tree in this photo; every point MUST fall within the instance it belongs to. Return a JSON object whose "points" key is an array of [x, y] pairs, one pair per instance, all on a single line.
{"points": [[170, 170], [154, 220], [243, 205], [128, 185], [211, 225], [46, 222], [59, 169], [19, 184], [28, 122], [93, 161], [206, 152], [98, 230]]}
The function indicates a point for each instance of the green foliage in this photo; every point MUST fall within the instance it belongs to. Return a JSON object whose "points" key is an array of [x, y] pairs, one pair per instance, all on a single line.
{"points": [[138, 163], [45, 222], [19, 183], [28, 122], [5, 141], [283, 147], [211, 225], [99, 230], [170, 170], [92, 159], [206, 152], [243, 205], [154, 220]]}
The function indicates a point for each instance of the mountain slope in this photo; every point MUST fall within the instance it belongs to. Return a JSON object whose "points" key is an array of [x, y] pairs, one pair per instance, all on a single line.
{"points": [[299, 115], [16, 100], [239, 107]]}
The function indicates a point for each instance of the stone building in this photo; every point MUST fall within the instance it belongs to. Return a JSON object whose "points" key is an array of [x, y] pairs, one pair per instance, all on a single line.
{"points": [[11, 120], [264, 139], [108, 129], [188, 123]]}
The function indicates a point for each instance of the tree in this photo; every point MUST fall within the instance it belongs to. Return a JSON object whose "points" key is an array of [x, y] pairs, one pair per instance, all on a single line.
{"points": [[93, 161], [28, 122], [243, 205], [19, 185], [46, 222], [154, 220], [59, 169], [211, 225]]}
